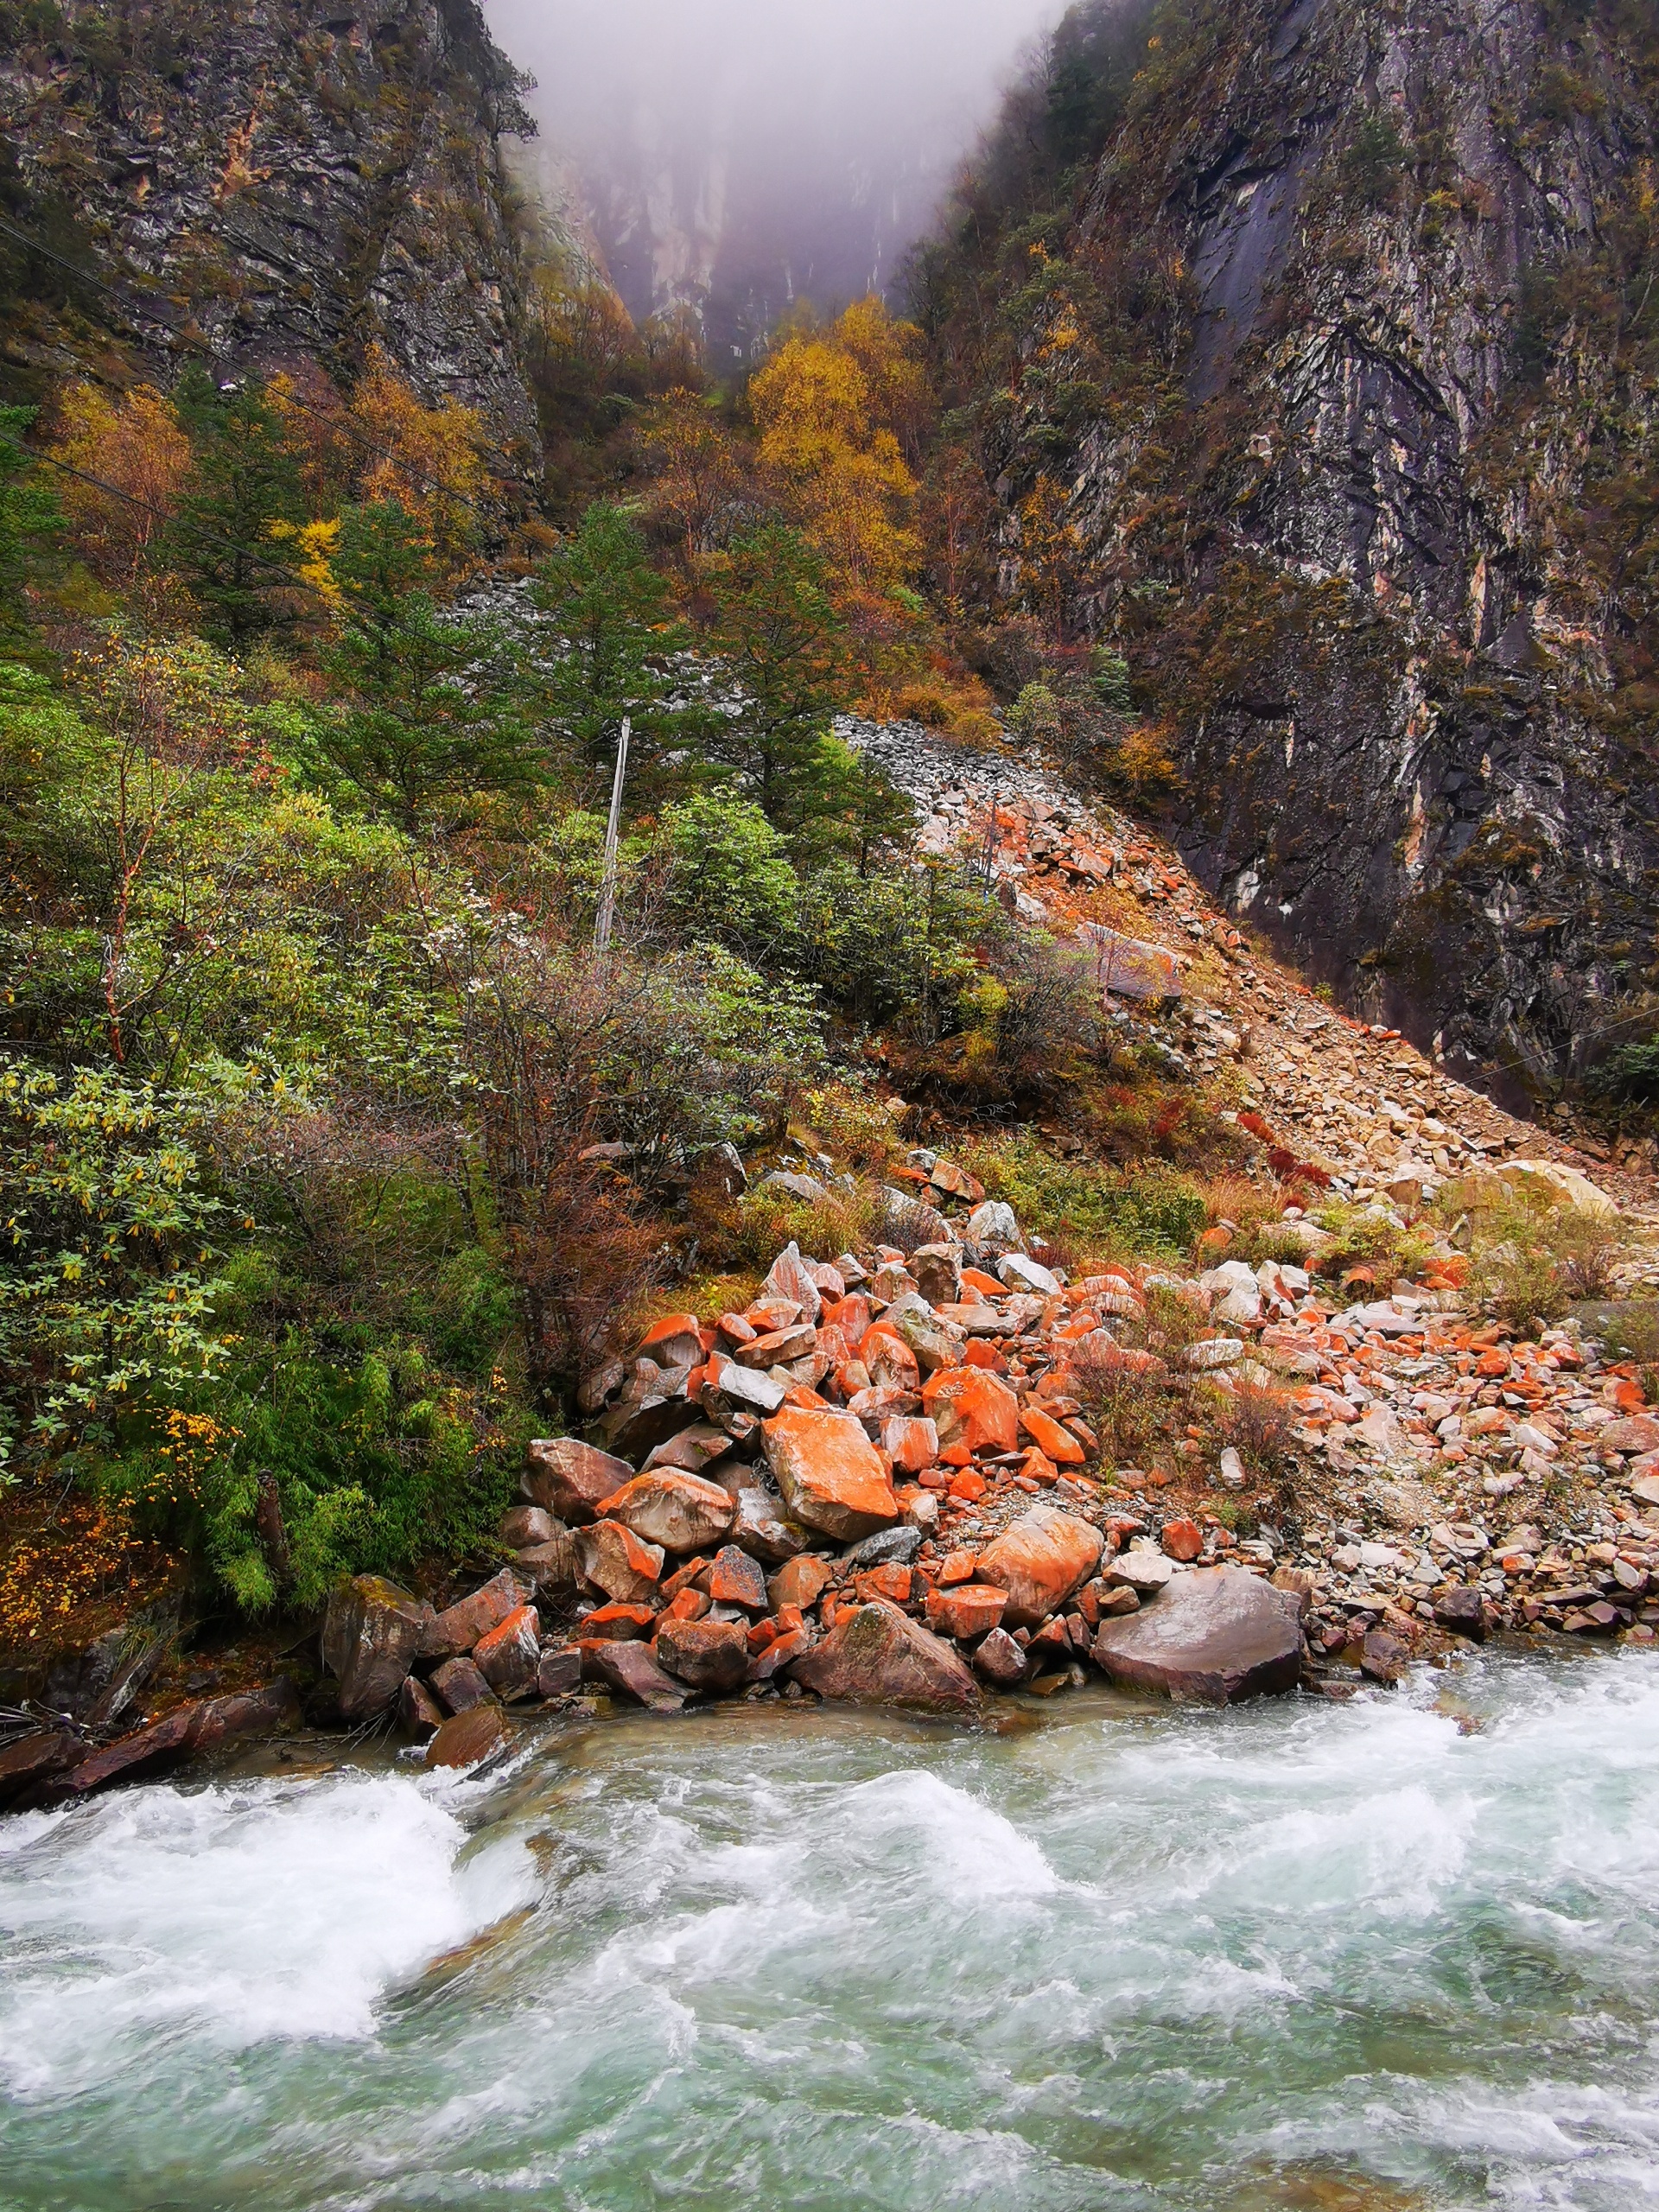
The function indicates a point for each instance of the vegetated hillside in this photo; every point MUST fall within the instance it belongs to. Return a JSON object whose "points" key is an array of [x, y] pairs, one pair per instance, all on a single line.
{"points": [[268, 181], [1310, 351]]}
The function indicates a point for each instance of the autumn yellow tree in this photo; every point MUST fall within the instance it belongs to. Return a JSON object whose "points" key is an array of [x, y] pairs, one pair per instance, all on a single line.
{"points": [[132, 442], [427, 461], [826, 404]]}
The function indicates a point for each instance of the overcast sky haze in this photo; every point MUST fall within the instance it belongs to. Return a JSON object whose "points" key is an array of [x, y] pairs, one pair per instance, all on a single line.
{"points": [[721, 138]]}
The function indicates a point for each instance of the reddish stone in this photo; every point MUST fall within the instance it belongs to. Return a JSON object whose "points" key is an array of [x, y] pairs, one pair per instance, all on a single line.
{"points": [[1055, 1442], [969, 1488], [987, 1286], [186, 1733], [569, 1477], [525, 1525], [799, 1582], [707, 1655], [418, 1711], [689, 1605], [459, 1626], [735, 1329], [891, 1362], [778, 1653], [460, 1686], [548, 1566], [874, 1655], [1639, 1434], [979, 1352], [736, 1579], [37, 1758], [681, 1512], [791, 1278], [469, 1737], [972, 1407], [778, 1346], [614, 1561], [508, 1656], [911, 1444], [829, 1474], [1039, 1561], [889, 1581], [1182, 1539], [559, 1673], [852, 1316], [959, 1566], [967, 1610], [1000, 1662], [674, 1341], [615, 1624], [630, 1668], [1037, 1467]]}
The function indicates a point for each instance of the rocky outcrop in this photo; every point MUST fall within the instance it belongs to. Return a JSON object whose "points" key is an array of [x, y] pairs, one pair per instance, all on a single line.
{"points": [[1342, 377], [264, 181]]}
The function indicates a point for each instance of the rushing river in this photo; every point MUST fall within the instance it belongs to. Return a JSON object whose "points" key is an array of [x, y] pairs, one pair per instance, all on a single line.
{"points": [[1399, 1954]]}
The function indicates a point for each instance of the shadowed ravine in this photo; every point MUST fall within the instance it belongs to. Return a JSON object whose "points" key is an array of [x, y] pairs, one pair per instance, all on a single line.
{"points": [[1398, 1954]]}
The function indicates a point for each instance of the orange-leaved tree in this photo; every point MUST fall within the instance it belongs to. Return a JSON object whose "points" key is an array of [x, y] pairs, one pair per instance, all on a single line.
{"points": [[427, 461], [826, 404], [133, 444], [697, 476]]}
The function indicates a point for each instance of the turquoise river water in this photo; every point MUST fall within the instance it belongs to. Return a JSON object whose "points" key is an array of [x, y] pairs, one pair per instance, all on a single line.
{"points": [[1395, 1954]]}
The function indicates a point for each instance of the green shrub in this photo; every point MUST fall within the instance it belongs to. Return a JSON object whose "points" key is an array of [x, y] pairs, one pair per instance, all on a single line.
{"points": [[1097, 1210]]}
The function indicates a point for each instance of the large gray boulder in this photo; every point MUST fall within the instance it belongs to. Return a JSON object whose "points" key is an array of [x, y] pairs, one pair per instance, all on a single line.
{"points": [[372, 1634], [1218, 1635]]}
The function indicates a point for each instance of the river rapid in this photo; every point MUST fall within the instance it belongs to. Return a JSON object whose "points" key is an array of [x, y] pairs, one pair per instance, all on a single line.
{"points": [[1403, 1953]]}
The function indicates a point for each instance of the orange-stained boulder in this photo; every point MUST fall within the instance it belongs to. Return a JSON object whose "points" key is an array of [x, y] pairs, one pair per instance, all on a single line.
{"points": [[911, 1444], [874, 1655], [889, 1580], [459, 1627], [890, 1359], [800, 1582], [569, 1477], [972, 1408], [1039, 1561], [614, 1561], [707, 1655], [830, 1472], [1057, 1442], [681, 1512], [736, 1579], [968, 1610], [619, 1624], [1182, 1539], [510, 1655], [674, 1341]]}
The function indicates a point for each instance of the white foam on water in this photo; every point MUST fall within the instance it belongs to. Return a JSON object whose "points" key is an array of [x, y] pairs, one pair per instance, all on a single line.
{"points": [[231, 1915]]}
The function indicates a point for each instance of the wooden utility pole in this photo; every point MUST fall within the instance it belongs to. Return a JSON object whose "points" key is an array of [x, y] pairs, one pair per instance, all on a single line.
{"points": [[607, 894]]}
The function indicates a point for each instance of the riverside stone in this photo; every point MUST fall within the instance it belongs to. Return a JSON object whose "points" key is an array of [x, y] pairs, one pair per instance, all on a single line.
{"points": [[613, 1560], [1218, 1635], [459, 1686], [708, 1655], [1000, 1662], [630, 1668], [800, 1582], [874, 1655], [466, 1738], [680, 1512], [1039, 1561], [186, 1733], [569, 1477], [967, 1609], [459, 1627], [559, 1671], [736, 1579], [762, 1527], [972, 1409], [372, 1632], [830, 1473], [508, 1656], [1462, 1613], [418, 1710]]}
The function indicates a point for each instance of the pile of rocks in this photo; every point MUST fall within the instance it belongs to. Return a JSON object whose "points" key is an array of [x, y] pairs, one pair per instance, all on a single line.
{"points": [[876, 1484]]}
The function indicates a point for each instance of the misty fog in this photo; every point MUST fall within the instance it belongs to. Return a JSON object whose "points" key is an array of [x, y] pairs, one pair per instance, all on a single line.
{"points": [[736, 155]]}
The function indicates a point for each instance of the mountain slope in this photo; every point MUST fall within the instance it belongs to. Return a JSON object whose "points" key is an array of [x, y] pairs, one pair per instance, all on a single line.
{"points": [[269, 181], [1330, 395]]}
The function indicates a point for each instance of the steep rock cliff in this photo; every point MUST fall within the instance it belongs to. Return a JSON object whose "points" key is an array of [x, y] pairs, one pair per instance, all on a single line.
{"points": [[272, 179], [1334, 401]]}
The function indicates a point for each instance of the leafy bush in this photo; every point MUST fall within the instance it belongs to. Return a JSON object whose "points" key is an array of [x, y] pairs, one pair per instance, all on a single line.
{"points": [[1105, 1213]]}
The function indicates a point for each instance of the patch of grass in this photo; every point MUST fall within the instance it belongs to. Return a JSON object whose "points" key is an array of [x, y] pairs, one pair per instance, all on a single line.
{"points": [[1091, 1209]]}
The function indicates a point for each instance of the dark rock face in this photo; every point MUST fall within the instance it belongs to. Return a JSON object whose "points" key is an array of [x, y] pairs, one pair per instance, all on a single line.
{"points": [[1216, 1637], [877, 1655], [288, 180], [1358, 484]]}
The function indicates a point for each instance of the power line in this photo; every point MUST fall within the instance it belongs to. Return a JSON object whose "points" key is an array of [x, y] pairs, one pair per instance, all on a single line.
{"points": [[345, 421]]}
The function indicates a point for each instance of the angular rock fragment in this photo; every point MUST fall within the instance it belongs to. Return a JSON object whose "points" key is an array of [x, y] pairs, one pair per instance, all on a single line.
{"points": [[467, 1738], [736, 1579], [681, 1512], [613, 1560], [875, 1655], [372, 1631], [458, 1685], [418, 1711], [568, 1478], [630, 1668], [763, 1527], [509, 1656], [968, 1610], [707, 1655], [1039, 1561], [459, 1627], [1000, 1662], [972, 1409], [800, 1582], [559, 1674], [830, 1473]]}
